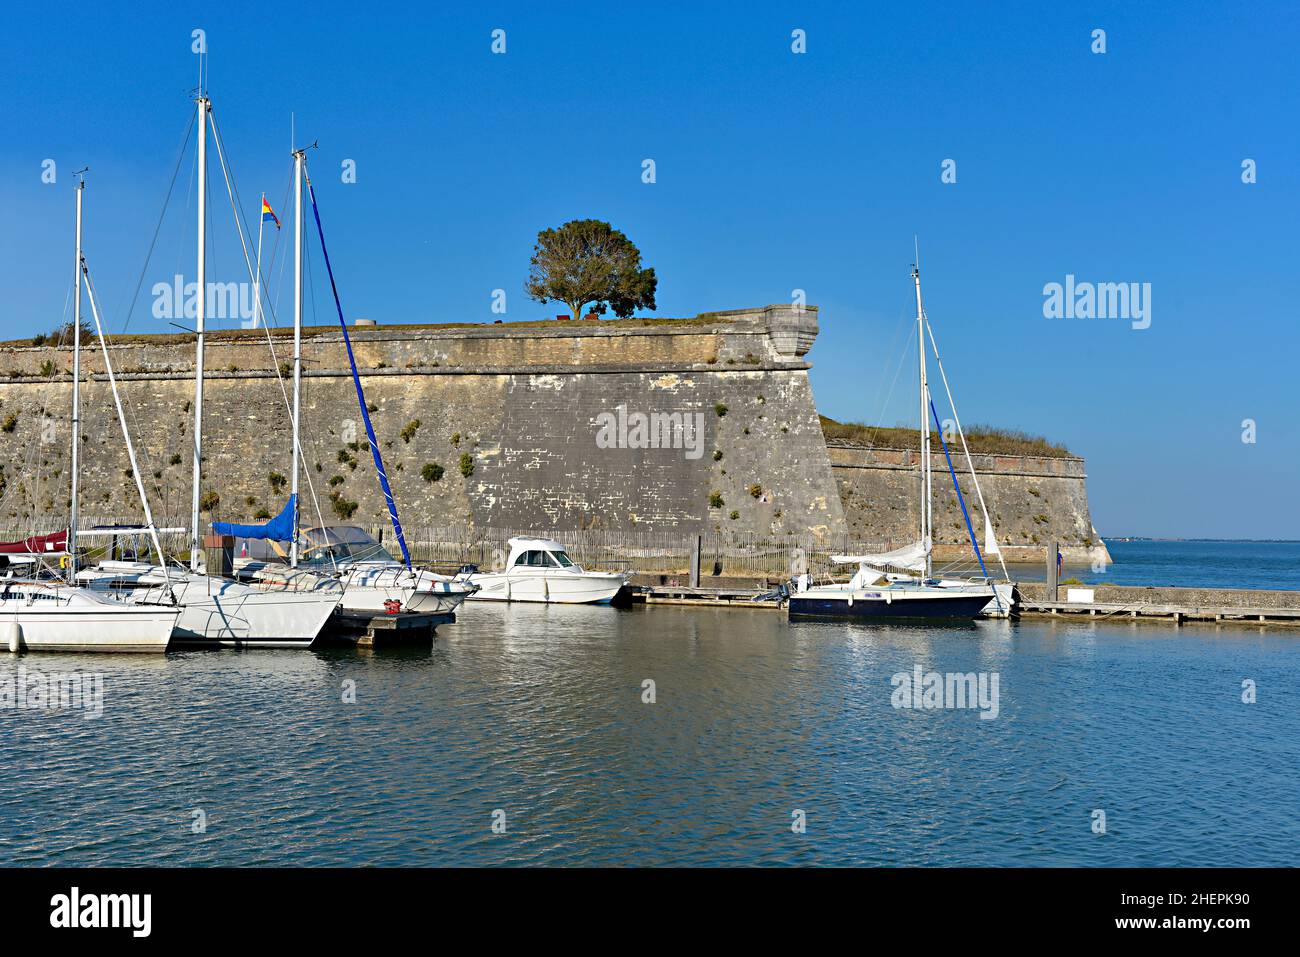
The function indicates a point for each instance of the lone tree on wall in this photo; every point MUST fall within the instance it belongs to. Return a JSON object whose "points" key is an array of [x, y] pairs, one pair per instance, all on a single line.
{"points": [[587, 262]]}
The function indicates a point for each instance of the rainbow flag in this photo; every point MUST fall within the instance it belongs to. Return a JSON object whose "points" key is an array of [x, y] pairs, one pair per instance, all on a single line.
{"points": [[267, 213]]}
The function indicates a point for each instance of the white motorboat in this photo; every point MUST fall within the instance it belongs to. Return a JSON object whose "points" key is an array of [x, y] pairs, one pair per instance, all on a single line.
{"points": [[372, 580], [540, 570]]}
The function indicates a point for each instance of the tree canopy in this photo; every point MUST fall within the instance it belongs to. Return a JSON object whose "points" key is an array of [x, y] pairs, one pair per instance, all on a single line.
{"points": [[588, 262]]}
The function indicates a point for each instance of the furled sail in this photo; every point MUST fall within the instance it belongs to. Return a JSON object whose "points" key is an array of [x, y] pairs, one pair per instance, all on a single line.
{"points": [[56, 543], [911, 557], [278, 529], [990, 542], [961, 499], [361, 395]]}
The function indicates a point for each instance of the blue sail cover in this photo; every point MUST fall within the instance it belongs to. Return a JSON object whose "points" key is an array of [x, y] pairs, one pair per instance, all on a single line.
{"points": [[278, 529]]}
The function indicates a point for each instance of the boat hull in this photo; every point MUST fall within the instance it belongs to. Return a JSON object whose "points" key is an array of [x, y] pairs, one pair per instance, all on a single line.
{"points": [[269, 619], [371, 598], [126, 631], [364, 588], [867, 607], [367, 587], [220, 612], [1002, 604], [428, 602], [588, 588]]}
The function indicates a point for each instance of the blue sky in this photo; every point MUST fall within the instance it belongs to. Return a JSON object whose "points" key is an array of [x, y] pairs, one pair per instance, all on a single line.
{"points": [[775, 172]]}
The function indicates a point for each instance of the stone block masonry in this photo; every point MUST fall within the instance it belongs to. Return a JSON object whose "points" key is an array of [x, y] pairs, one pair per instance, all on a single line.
{"points": [[489, 425], [1033, 500], [678, 427]]}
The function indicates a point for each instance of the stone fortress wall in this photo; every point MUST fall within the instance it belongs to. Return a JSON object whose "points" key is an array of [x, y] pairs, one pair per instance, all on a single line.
{"points": [[678, 427]]}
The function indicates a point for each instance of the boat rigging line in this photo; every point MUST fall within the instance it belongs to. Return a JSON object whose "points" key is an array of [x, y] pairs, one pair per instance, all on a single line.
{"points": [[241, 225], [126, 435], [952, 404], [139, 283]]}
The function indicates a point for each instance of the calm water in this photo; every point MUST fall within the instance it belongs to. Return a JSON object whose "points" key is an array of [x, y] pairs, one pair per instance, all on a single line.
{"points": [[538, 712], [1203, 564]]}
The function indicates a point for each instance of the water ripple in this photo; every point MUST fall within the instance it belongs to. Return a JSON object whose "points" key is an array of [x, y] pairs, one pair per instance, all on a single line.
{"points": [[537, 713]]}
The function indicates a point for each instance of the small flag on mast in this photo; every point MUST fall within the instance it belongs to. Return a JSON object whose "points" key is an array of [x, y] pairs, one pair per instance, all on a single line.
{"points": [[267, 213]]}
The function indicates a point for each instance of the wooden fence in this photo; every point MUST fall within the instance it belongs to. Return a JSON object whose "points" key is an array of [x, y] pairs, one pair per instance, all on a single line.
{"points": [[727, 554]]}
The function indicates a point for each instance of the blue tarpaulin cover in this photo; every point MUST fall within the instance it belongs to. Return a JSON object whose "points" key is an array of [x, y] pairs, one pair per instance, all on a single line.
{"points": [[278, 529]]}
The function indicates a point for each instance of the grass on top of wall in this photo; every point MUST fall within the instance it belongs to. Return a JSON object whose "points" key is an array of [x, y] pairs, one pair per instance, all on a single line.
{"points": [[170, 338], [980, 438]]}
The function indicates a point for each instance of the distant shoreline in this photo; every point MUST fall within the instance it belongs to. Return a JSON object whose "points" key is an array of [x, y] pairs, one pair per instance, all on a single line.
{"points": [[1237, 541]]}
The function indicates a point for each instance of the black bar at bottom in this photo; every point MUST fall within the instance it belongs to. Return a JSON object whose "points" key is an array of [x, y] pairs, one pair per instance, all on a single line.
{"points": [[214, 906]]}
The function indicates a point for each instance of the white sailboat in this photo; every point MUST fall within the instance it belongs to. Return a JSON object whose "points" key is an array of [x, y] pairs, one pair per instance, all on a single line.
{"points": [[540, 570], [215, 611], [371, 579], [50, 615], [47, 614], [900, 584]]}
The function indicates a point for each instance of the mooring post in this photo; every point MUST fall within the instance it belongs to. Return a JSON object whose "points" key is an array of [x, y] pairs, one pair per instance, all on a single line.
{"points": [[697, 544], [1053, 578]]}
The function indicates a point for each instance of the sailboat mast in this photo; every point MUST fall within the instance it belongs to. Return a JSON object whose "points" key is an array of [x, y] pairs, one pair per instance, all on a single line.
{"points": [[297, 343], [926, 515], [76, 398], [257, 274], [196, 550]]}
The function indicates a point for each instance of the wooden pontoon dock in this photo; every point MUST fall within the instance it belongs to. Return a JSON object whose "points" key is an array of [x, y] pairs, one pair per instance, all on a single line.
{"points": [[379, 629]]}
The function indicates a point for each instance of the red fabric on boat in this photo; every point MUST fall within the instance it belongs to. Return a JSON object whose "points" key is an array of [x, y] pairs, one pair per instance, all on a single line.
{"points": [[51, 544]]}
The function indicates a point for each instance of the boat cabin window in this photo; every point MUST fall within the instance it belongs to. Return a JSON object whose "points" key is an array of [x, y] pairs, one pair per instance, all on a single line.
{"points": [[347, 552], [563, 558], [535, 558], [27, 595], [343, 543]]}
